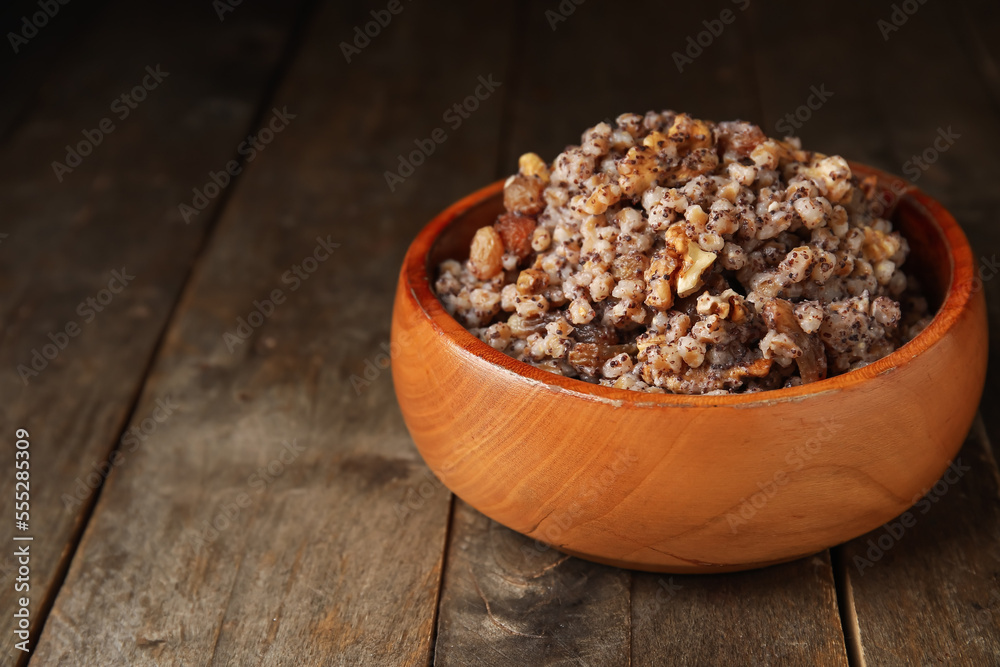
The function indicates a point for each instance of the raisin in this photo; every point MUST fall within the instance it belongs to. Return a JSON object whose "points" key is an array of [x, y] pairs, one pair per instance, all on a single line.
{"points": [[516, 231]]}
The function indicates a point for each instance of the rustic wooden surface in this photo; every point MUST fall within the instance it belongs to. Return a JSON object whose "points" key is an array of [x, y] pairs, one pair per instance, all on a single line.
{"points": [[116, 211], [352, 553]]}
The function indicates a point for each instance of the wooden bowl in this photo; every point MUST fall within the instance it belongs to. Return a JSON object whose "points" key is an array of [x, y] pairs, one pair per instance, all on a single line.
{"points": [[674, 483]]}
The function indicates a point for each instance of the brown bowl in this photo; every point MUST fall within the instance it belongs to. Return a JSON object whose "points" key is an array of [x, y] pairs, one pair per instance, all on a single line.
{"points": [[677, 483]]}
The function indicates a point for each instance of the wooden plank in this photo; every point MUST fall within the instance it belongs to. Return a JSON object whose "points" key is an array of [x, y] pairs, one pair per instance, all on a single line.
{"points": [[117, 212], [781, 615], [504, 600], [333, 555], [926, 586], [28, 54], [510, 601]]}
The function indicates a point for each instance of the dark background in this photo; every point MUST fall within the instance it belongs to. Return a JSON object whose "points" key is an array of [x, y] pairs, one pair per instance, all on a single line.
{"points": [[562, 68]]}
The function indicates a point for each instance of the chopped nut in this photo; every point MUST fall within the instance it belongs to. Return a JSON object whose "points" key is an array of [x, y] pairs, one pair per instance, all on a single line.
{"points": [[878, 245], [603, 197], [532, 281], [530, 164], [655, 140], [523, 195], [647, 340], [585, 358], [689, 133], [832, 175], [660, 296], [638, 171], [696, 261]]}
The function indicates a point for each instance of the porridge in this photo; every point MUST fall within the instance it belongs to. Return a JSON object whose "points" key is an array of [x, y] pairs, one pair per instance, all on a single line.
{"points": [[670, 254]]}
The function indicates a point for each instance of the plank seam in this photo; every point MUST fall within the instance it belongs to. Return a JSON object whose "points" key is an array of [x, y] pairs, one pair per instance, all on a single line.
{"points": [[847, 610], [432, 653]]}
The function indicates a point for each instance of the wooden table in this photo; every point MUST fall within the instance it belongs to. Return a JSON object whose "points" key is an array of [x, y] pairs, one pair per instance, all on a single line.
{"points": [[219, 472]]}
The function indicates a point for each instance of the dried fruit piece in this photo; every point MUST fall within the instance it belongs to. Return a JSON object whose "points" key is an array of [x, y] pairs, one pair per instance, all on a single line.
{"points": [[780, 317], [516, 232], [486, 255], [585, 358]]}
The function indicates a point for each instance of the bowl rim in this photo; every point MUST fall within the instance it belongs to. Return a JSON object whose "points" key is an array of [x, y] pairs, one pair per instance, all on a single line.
{"points": [[415, 277]]}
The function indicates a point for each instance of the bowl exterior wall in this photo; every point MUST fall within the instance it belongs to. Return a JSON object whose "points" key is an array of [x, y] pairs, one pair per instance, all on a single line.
{"points": [[684, 489]]}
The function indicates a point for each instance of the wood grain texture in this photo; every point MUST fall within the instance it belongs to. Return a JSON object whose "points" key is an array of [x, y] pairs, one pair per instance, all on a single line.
{"points": [[115, 212], [508, 600], [219, 544], [781, 615], [337, 558]]}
